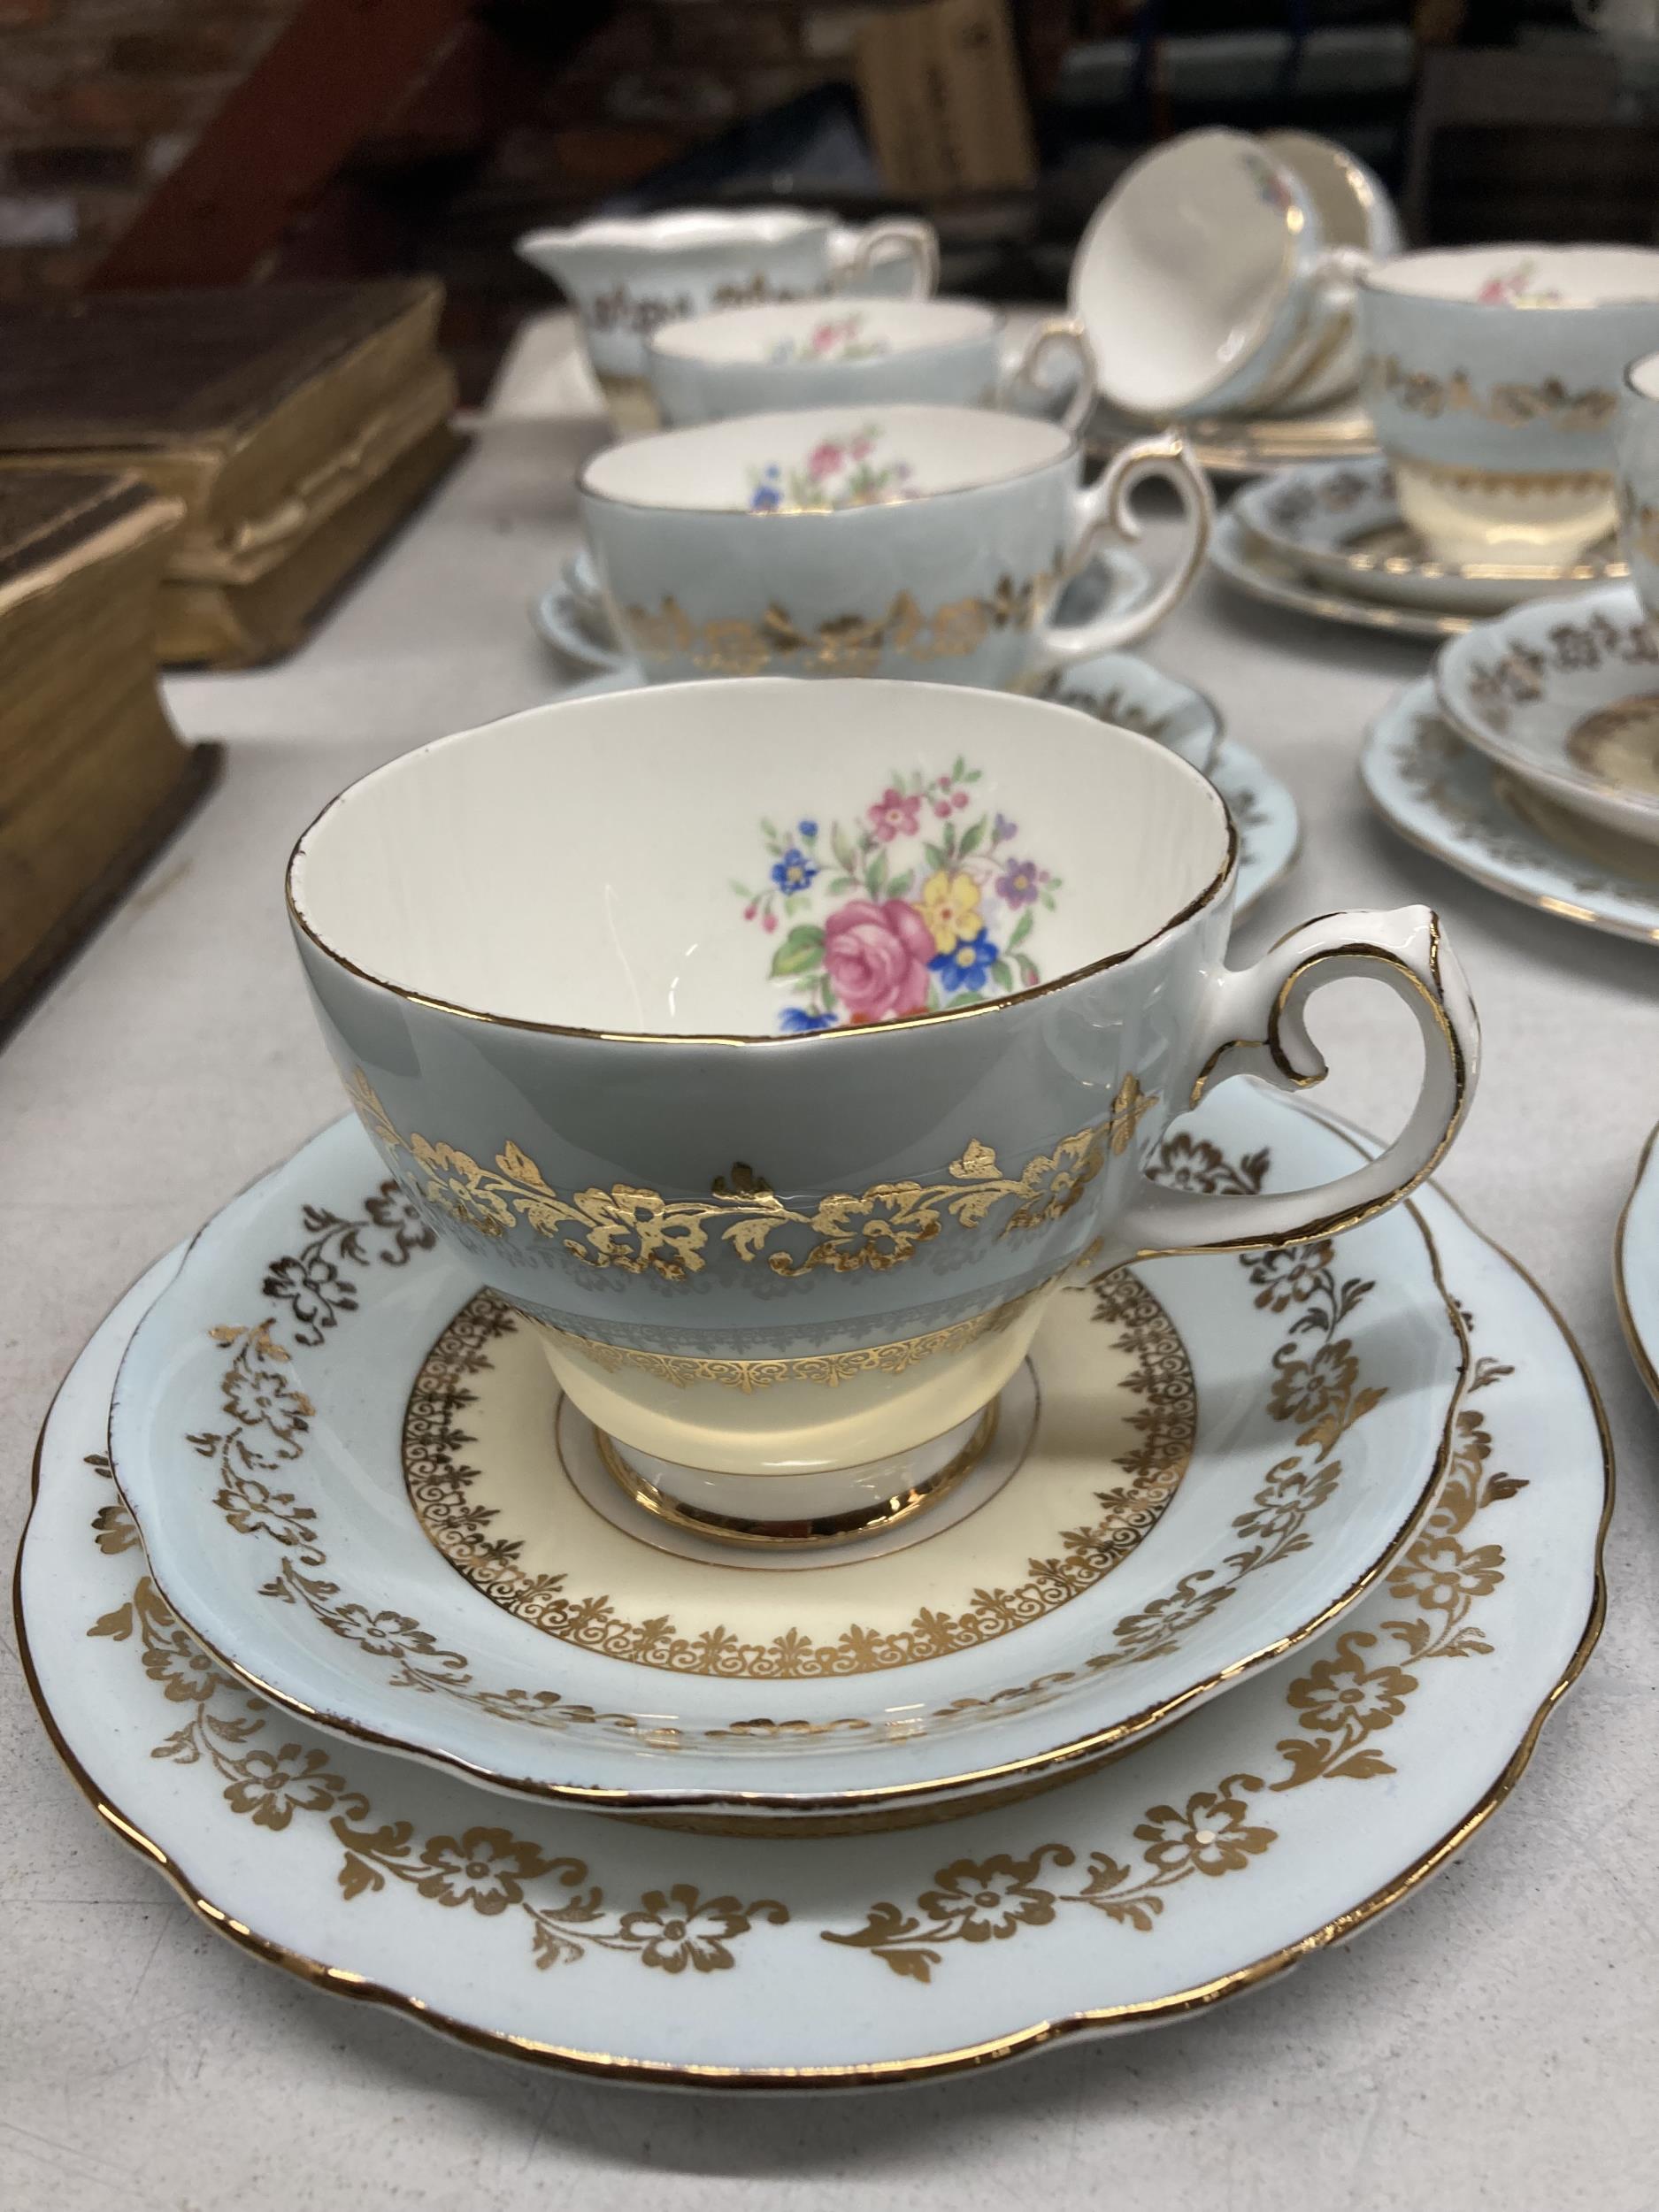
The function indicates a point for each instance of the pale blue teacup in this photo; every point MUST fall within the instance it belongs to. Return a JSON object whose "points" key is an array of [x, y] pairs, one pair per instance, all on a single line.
{"points": [[904, 541], [831, 353]]}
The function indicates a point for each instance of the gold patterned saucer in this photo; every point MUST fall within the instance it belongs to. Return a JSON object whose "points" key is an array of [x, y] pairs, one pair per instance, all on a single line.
{"points": [[1210, 1459], [1338, 525], [1270, 1826]]}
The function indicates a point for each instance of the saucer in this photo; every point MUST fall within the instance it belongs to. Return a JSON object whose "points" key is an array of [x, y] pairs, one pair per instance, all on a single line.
{"points": [[565, 622], [1636, 1267], [1121, 688], [1339, 524], [570, 616], [1442, 795], [1247, 561], [1209, 1459], [1267, 1827], [1563, 694]]}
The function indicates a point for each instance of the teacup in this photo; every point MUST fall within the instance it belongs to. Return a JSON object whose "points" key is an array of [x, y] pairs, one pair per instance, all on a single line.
{"points": [[1204, 283], [839, 541], [628, 274], [1636, 448], [753, 360], [1353, 210], [780, 1049], [1492, 374]]}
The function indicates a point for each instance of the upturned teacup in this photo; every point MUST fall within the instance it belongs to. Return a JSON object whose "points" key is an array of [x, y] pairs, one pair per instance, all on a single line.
{"points": [[1492, 374], [1353, 210], [780, 1049], [628, 274], [904, 541], [863, 353], [1205, 283], [1636, 447]]}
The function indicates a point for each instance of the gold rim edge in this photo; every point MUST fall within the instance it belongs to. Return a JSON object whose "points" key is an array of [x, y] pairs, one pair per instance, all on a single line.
{"points": [[932, 2065]]}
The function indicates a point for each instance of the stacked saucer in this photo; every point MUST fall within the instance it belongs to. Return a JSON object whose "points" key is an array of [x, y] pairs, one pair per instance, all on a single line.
{"points": [[512, 1455], [1328, 540], [1528, 759]]}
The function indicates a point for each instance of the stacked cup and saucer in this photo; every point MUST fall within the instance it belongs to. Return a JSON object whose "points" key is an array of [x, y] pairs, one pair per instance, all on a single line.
{"points": [[829, 1318], [1215, 284], [1523, 429], [875, 487]]}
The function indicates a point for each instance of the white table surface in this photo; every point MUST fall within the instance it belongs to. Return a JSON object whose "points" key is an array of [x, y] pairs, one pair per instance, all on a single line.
{"points": [[1494, 2043]]}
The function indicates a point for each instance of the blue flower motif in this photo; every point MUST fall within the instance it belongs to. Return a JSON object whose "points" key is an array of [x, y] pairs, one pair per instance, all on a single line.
{"points": [[794, 871], [967, 965], [1003, 830], [764, 499], [807, 829], [794, 1021]]}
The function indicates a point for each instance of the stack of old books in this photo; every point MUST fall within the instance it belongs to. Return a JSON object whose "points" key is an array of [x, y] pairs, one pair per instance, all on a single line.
{"points": [[92, 777], [295, 425]]}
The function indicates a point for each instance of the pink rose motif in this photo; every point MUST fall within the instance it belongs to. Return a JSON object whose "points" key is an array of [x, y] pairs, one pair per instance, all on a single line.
{"points": [[876, 957], [894, 815], [824, 460]]}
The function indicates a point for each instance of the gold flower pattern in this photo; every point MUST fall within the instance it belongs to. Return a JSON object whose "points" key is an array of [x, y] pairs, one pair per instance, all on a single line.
{"points": [[1430, 765], [643, 1232], [439, 1480], [1316, 1382], [1520, 676], [1340, 1703], [1511, 406], [847, 644], [485, 1870]]}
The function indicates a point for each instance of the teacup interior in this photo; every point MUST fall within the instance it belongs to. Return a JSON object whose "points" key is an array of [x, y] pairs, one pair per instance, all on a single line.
{"points": [[1524, 276], [812, 458], [1179, 269], [818, 331], [758, 857]]}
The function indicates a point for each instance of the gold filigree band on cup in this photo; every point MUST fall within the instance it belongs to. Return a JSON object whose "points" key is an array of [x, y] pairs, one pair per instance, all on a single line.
{"points": [[845, 644], [1511, 406], [681, 1371], [796, 1535], [643, 1232]]}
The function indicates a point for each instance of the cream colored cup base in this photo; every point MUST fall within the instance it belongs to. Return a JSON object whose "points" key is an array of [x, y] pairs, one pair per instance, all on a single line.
{"points": [[814, 1424], [631, 404], [798, 1511], [1477, 515]]}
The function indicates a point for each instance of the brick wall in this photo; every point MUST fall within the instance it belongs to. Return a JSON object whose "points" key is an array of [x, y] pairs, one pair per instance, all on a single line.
{"points": [[99, 99]]}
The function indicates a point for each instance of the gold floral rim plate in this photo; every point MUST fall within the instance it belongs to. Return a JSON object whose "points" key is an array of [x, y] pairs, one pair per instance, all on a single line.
{"points": [[260, 1434], [1443, 797], [1206, 1862]]}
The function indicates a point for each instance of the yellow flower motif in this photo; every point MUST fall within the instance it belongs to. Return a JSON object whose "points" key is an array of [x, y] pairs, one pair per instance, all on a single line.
{"points": [[950, 905]]}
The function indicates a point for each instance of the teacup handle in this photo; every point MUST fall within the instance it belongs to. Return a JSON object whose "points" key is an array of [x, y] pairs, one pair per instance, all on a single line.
{"points": [[1063, 334], [1336, 277], [1105, 509], [1254, 1025], [919, 239]]}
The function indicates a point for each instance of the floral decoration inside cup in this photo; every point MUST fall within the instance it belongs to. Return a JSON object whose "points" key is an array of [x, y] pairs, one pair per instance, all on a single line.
{"points": [[835, 472], [923, 901], [836, 338]]}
